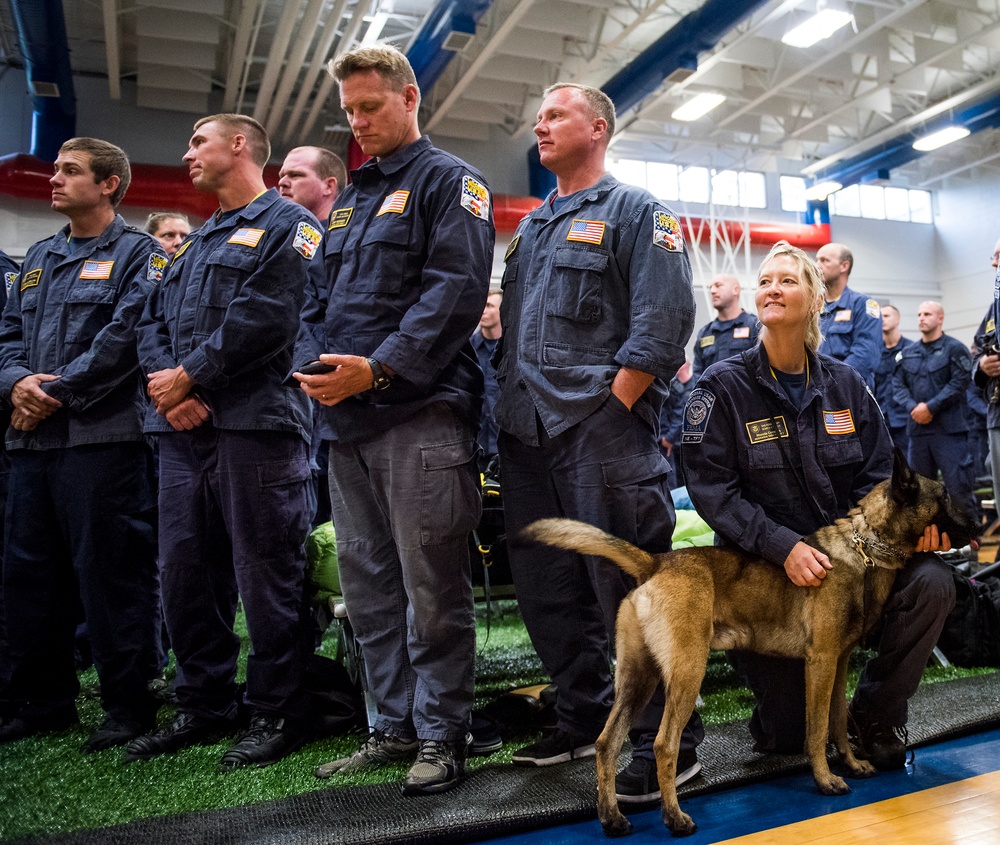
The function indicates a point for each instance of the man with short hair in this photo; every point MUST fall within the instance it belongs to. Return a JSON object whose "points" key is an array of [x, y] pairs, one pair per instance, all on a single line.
{"points": [[850, 321], [732, 331], [80, 512], [409, 251], [986, 370], [597, 308], [170, 228], [312, 177], [484, 341], [216, 343], [930, 381], [893, 344]]}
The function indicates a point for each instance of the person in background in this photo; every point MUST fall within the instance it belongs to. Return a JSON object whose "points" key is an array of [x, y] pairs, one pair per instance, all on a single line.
{"points": [[732, 330], [10, 271], [893, 343], [170, 228], [672, 418], [312, 177], [484, 341], [849, 321], [986, 371]]}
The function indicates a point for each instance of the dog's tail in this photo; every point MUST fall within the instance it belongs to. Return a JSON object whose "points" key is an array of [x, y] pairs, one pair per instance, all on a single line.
{"points": [[588, 540]]}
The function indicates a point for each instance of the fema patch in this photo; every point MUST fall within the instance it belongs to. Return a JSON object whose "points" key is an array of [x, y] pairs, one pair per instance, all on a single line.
{"points": [[157, 264], [873, 309], [340, 218], [667, 232], [696, 415], [307, 240], [30, 280], [9, 279], [475, 198]]}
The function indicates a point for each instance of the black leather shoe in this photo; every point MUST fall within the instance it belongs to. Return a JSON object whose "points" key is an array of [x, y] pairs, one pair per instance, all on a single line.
{"points": [[113, 732], [186, 730], [269, 740], [25, 724]]}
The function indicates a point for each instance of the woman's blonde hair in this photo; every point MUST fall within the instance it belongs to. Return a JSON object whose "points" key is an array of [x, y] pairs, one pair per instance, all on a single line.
{"points": [[812, 278]]}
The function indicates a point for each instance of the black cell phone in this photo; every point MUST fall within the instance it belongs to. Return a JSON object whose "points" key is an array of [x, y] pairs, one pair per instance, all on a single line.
{"points": [[316, 368]]}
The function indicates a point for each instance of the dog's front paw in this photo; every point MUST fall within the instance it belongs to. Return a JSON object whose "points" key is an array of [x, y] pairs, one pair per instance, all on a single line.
{"points": [[679, 822], [617, 826], [833, 785], [861, 769]]}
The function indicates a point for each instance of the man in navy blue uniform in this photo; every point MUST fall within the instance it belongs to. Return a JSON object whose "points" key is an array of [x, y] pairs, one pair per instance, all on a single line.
{"points": [[484, 341], [930, 380], [893, 343], [216, 343], [850, 321], [732, 330], [408, 250], [597, 308], [9, 271], [80, 511], [986, 370]]}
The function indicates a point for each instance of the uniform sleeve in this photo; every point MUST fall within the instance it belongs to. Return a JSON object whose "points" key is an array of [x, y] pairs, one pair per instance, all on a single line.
{"points": [[455, 280], [311, 340], [653, 259], [112, 357], [866, 344], [959, 365], [13, 357], [901, 386], [153, 336], [713, 477], [263, 317], [698, 358]]}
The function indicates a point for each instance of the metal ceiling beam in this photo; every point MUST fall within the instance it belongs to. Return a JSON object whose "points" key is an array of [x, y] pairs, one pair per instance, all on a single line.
{"points": [[112, 50], [294, 64], [426, 54], [240, 52], [276, 59]]}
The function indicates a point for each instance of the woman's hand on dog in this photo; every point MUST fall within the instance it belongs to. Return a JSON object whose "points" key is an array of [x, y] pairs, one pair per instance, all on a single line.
{"points": [[932, 541], [806, 566]]}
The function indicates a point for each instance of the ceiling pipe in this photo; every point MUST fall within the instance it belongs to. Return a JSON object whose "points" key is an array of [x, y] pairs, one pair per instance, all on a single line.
{"points": [[294, 65], [430, 52], [240, 52], [41, 34], [111, 49], [276, 60]]}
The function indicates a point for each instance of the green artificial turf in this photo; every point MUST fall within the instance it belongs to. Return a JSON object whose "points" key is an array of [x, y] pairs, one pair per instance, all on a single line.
{"points": [[48, 786]]}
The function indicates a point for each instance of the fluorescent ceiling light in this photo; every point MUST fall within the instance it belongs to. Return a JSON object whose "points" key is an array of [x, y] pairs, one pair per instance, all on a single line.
{"points": [[821, 190], [697, 107], [939, 139], [821, 25], [375, 27]]}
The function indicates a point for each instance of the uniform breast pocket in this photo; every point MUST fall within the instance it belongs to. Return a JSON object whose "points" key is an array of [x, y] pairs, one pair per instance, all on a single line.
{"points": [[89, 308], [226, 271], [575, 284], [382, 263]]}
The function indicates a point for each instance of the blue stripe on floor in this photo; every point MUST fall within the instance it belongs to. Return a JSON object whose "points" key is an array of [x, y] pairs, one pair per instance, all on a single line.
{"points": [[786, 800]]}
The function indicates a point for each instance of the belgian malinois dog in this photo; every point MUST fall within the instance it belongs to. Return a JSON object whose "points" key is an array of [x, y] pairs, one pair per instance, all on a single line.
{"points": [[693, 600]]}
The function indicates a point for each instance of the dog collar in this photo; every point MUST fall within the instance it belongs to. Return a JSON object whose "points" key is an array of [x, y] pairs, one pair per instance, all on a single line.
{"points": [[888, 551]]}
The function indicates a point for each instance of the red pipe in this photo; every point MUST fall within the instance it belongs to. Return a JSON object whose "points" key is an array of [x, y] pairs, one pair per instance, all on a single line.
{"points": [[169, 188]]}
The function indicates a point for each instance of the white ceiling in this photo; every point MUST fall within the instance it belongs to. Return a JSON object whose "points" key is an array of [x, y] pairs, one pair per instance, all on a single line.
{"points": [[788, 110]]}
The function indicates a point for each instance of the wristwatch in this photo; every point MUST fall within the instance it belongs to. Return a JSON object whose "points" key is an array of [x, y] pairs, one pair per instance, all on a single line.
{"points": [[380, 379]]}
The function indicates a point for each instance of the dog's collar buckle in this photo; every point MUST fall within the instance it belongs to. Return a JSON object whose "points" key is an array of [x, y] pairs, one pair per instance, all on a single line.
{"points": [[859, 544]]}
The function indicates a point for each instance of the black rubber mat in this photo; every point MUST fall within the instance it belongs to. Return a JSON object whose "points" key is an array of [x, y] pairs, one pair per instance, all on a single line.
{"points": [[504, 799]]}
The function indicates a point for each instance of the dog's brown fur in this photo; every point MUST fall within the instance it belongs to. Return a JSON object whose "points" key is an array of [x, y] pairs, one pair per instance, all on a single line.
{"points": [[692, 600]]}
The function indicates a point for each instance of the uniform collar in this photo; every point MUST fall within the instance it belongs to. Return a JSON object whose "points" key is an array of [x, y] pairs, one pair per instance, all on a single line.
{"points": [[60, 243], [395, 161], [257, 206], [767, 381], [722, 324], [591, 194]]}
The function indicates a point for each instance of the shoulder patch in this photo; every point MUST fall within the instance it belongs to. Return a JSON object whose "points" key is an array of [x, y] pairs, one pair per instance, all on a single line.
{"points": [[180, 251], [245, 237], [9, 279], [838, 422], [873, 309], [586, 231], [697, 413], [340, 218], [395, 203], [667, 232], [307, 240], [157, 264], [96, 269], [31, 280], [475, 198]]}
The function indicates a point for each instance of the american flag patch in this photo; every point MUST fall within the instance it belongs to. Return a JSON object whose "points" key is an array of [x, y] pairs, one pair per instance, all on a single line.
{"points": [[838, 422], [395, 203], [96, 269], [246, 237], [586, 231]]}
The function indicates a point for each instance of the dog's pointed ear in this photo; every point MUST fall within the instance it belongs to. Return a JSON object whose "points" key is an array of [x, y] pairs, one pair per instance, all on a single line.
{"points": [[905, 486]]}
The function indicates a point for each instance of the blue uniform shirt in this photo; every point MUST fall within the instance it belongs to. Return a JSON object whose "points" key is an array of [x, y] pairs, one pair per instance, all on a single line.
{"points": [[601, 284], [228, 312], [73, 313], [409, 252], [936, 373], [852, 332], [764, 473], [722, 339], [895, 414], [986, 334]]}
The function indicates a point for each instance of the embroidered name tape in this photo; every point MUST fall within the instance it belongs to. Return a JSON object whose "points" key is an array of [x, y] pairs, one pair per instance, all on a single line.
{"points": [[340, 218], [31, 280], [772, 428]]}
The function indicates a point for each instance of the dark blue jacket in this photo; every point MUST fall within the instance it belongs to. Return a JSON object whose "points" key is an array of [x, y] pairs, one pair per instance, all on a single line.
{"points": [[852, 332], [936, 373], [672, 412], [409, 252], [722, 339], [228, 310], [488, 429], [885, 389], [763, 473], [603, 283], [986, 335], [74, 315]]}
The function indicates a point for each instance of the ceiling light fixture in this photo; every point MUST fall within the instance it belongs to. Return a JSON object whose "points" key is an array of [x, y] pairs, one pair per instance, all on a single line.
{"points": [[697, 107], [940, 138], [821, 25], [821, 190], [375, 27]]}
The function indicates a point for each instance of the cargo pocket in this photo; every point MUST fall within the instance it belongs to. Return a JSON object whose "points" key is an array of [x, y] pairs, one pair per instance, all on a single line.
{"points": [[450, 503], [281, 517]]}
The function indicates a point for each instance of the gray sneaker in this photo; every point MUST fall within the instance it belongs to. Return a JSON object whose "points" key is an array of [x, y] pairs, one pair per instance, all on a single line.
{"points": [[439, 767], [378, 750]]}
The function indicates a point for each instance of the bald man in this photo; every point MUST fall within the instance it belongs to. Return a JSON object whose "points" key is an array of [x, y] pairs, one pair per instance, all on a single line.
{"points": [[850, 321], [732, 330], [930, 381]]}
